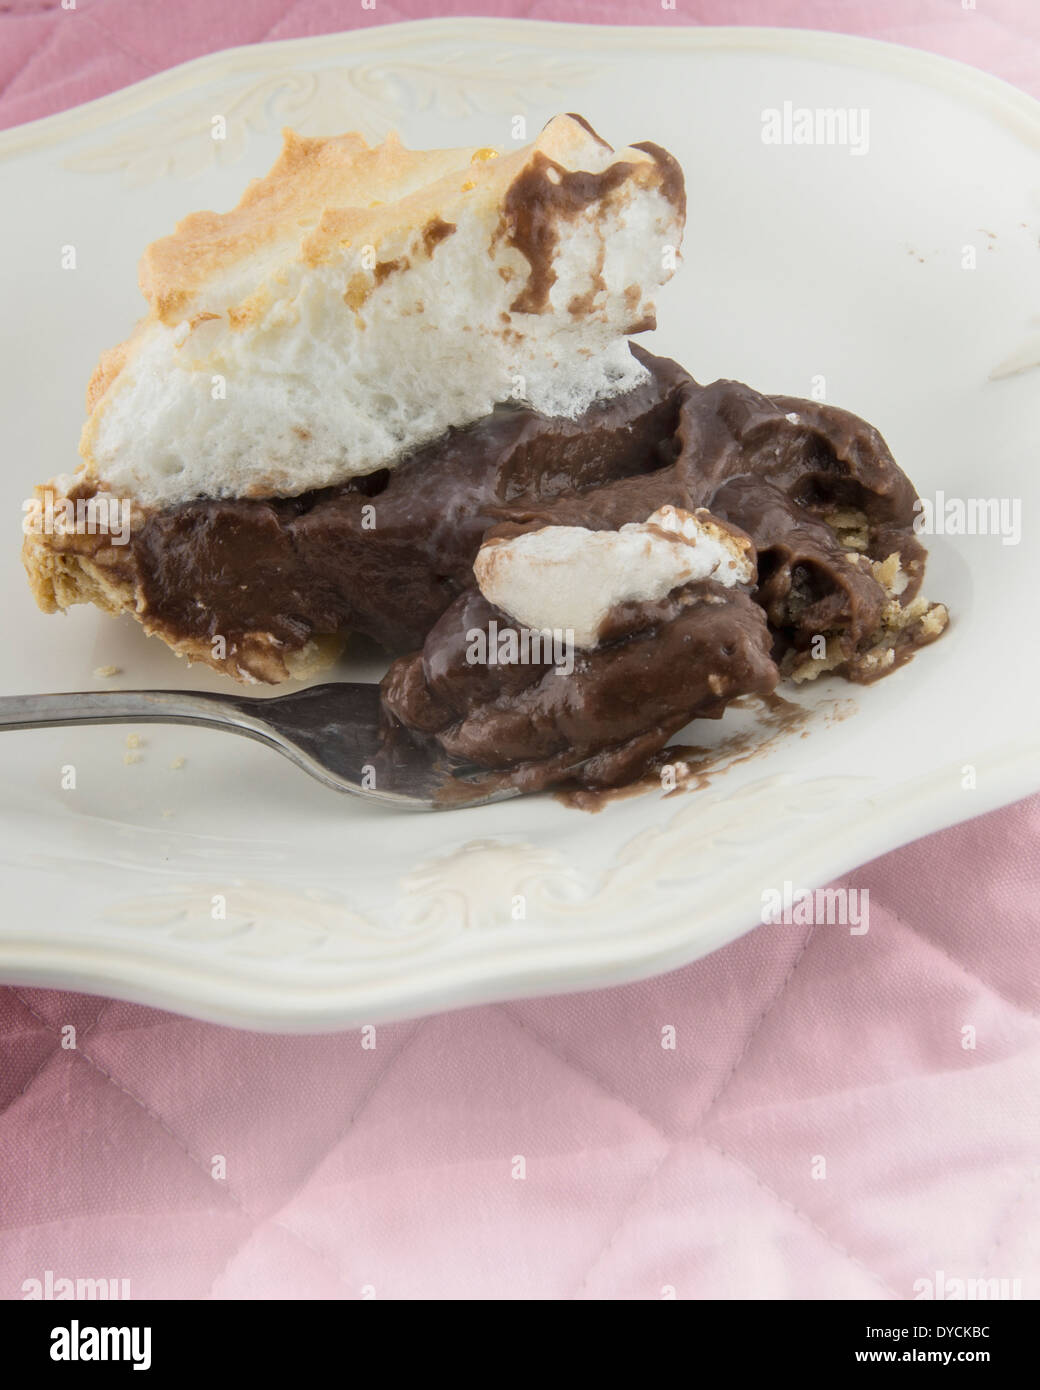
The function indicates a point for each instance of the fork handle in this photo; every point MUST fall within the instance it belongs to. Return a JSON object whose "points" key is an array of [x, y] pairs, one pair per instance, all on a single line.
{"points": [[125, 706]]}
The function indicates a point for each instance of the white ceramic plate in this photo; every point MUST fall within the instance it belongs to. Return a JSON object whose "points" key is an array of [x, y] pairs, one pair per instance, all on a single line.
{"points": [[801, 262]]}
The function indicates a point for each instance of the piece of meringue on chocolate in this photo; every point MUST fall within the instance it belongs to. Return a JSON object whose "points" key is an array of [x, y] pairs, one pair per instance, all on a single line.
{"points": [[359, 303], [619, 639], [569, 577]]}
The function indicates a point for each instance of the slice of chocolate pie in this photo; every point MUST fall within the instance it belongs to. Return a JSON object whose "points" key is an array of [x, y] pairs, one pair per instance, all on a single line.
{"points": [[392, 393], [355, 314]]}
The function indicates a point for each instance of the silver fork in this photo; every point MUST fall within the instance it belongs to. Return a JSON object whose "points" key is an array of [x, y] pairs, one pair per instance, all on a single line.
{"points": [[334, 732]]}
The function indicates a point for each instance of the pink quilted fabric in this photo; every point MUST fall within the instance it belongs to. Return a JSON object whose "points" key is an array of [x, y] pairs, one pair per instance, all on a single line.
{"points": [[821, 1129]]}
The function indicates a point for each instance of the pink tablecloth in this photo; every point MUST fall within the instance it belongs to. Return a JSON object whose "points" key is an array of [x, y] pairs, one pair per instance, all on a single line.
{"points": [[822, 1128]]}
